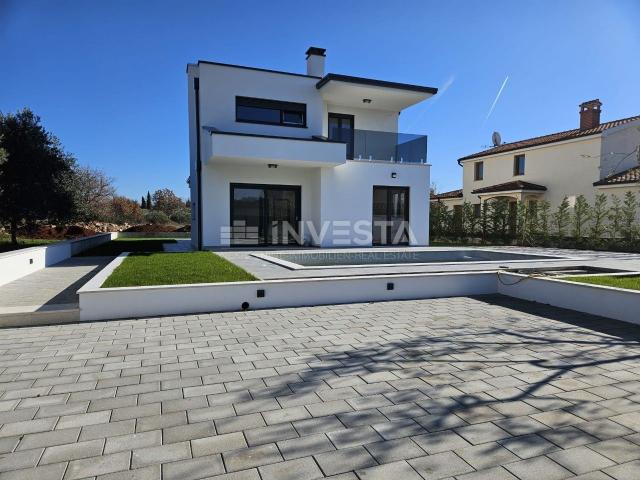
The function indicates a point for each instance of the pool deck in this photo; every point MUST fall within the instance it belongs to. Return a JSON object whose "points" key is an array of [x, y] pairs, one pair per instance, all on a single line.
{"points": [[266, 270]]}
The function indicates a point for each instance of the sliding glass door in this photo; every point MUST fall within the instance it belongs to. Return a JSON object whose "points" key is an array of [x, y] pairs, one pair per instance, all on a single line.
{"points": [[390, 215], [264, 214]]}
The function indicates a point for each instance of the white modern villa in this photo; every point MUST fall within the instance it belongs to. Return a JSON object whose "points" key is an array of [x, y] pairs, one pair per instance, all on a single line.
{"points": [[597, 157], [304, 158]]}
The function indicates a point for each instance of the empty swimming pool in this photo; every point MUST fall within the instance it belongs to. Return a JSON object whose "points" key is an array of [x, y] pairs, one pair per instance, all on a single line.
{"points": [[390, 257]]}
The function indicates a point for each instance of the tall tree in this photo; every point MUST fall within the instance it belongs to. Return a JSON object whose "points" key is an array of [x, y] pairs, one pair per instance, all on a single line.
{"points": [[167, 201], [149, 204], [36, 175], [562, 218], [598, 217], [93, 191], [581, 216], [143, 203]]}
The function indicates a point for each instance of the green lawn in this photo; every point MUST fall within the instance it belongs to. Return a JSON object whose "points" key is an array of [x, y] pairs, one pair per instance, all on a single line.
{"points": [[6, 246], [119, 245], [144, 269], [631, 282]]}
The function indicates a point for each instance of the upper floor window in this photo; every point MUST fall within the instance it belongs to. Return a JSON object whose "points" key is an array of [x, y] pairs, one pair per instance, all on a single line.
{"points": [[478, 170], [518, 165], [271, 112]]}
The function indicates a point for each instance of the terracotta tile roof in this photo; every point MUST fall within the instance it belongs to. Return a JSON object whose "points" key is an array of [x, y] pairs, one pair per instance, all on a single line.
{"points": [[631, 175], [443, 195], [510, 186], [554, 137]]}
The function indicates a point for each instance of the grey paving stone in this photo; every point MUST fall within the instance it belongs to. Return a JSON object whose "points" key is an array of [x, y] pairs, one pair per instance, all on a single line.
{"points": [[300, 469], [21, 459], [393, 450], [241, 422], [568, 437], [528, 446], [581, 460], [397, 470], [318, 425], [270, 434], [160, 454], [72, 451], [191, 431], [218, 444], [82, 419], [27, 426], [152, 472], [123, 443], [617, 449], [48, 439], [354, 436], [193, 468], [286, 415], [537, 468], [441, 442], [486, 455], [90, 467], [440, 465], [429, 364], [251, 457], [495, 473], [482, 432], [625, 471], [46, 472], [344, 460], [305, 446]]}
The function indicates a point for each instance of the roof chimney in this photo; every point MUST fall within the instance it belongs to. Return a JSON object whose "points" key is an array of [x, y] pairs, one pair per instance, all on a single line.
{"points": [[590, 114], [315, 61]]}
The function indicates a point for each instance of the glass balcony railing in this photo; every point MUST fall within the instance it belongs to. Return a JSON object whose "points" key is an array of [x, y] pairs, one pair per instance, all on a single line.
{"points": [[382, 146]]}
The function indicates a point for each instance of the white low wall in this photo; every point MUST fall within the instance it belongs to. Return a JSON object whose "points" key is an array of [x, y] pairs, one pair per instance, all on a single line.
{"points": [[19, 263], [110, 303], [154, 235], [609, 302]]}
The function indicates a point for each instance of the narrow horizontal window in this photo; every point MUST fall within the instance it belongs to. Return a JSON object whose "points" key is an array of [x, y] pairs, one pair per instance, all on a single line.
{"points": [[271, 112]]}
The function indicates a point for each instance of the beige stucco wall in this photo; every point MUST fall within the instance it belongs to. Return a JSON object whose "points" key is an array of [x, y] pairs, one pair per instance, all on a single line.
{"points": [[617, 147], [565, 168]]}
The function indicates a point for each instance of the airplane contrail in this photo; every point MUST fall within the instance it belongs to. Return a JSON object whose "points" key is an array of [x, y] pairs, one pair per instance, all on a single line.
{"points": [[493, 105]]}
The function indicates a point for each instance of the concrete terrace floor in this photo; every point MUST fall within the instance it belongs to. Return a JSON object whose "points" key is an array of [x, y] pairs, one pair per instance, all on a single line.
{"points": [[465, 388], [54, 285]]}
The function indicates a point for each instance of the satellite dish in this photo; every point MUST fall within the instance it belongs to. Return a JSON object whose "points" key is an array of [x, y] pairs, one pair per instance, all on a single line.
{"points": [[496, 139]]}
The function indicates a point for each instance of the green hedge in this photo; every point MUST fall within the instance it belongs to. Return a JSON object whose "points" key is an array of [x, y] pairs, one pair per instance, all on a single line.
{"points": [[607, 224]]}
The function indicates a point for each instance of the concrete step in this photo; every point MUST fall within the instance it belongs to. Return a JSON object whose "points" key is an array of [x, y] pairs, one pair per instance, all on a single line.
{"points": [[35, 315]]}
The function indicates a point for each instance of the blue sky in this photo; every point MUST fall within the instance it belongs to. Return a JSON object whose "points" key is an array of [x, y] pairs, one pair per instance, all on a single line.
{"points": [[108, 78]]}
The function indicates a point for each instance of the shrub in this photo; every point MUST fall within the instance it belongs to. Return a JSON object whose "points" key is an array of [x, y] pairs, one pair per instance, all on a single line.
{"points": [[125, 210], [156, 217], [181, 215]]}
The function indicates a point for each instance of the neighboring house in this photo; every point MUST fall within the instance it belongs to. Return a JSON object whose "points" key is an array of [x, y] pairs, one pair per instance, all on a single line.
{"points": [[596, 157], [315, 158]]}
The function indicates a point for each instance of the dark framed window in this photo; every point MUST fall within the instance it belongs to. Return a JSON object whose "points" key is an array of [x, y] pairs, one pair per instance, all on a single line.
{"points": [[518, 165], [477, 210], [478, 170], [271, 112]]}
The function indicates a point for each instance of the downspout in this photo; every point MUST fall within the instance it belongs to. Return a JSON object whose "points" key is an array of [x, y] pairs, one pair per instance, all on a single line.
{"points": [[196, 88]]}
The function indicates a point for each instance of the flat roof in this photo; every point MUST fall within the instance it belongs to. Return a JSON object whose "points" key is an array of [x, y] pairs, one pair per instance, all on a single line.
{"points": [[373, 82]]}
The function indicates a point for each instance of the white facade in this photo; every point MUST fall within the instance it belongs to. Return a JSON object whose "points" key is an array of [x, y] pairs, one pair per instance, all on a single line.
{"points": [[333, 189]]}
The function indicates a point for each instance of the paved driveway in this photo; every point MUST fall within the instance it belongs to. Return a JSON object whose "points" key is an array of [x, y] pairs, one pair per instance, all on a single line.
{"points": [[471, 388]]}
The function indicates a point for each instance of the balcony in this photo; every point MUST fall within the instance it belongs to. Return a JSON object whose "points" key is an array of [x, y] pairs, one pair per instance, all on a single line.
{"points": [[371, 145], [244, 148]]}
